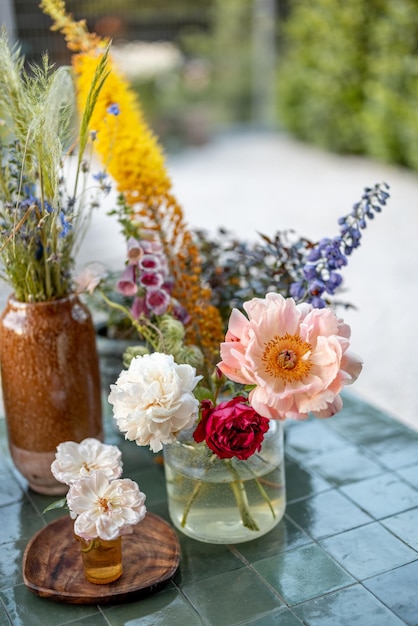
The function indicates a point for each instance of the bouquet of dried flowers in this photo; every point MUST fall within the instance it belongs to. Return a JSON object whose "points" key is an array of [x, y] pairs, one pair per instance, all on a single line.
{"points": [[43, 214]]}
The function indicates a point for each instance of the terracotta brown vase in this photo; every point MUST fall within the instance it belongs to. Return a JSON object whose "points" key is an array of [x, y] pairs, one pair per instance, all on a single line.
{"points": [[50, 381]]}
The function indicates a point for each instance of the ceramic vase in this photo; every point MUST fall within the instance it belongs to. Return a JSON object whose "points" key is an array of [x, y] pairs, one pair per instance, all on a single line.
{"points": [[50, 382]]}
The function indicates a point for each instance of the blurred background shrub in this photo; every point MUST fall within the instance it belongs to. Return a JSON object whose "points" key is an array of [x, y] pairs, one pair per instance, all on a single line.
{"points": [[348, 76]]}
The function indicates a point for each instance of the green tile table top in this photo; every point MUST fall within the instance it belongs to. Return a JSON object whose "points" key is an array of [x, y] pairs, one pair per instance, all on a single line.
{"points": [[345, 553]]}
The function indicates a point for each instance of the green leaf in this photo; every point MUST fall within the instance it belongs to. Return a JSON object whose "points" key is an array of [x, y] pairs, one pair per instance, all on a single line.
{"points": [[203, 393], [58, 504]]}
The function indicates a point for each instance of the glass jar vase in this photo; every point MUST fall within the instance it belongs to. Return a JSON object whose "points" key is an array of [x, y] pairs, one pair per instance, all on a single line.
{"points": [[225, 500], [102, 559]]}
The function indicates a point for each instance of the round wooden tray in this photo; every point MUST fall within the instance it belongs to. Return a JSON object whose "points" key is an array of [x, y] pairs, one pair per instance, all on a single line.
{"points": [[52, 565]]}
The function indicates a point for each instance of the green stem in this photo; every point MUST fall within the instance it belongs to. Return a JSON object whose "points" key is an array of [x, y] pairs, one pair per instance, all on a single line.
{"points": [[198, 486], [265, 496], [189, 504], [240, 494], [263, 492], [153, 338]]}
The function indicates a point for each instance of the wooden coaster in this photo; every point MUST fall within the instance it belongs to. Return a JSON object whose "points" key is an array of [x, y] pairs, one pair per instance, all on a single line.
{"points": [[52, 565]]}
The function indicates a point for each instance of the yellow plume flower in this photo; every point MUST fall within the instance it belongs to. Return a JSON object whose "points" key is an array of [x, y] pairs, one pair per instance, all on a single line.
{"points": [[125, 143], [75, 33], [133, 157]]}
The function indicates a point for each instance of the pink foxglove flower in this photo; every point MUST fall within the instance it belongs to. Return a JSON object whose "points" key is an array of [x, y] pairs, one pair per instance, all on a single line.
{"points": [[153, 400], [150, 280], [157, 301], [134, 251], [76, 460], [139, 307], [127, 282], [150, 263], [295, 356], [105, 508]]}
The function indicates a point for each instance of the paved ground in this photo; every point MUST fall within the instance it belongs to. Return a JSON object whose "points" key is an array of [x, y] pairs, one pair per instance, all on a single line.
{"points": [[264, 182]]}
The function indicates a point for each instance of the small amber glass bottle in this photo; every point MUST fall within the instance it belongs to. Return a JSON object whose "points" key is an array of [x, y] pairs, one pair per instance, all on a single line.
{"points": [[102, 559]]}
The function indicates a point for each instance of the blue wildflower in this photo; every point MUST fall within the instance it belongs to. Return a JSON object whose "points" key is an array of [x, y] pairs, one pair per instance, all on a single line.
{"points": [[100, 176], [66, 225], [113, 109], [310, 271]]}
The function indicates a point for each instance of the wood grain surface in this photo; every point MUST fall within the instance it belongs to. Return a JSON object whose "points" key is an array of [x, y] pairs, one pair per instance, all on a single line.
{"points": [[52, 564]]}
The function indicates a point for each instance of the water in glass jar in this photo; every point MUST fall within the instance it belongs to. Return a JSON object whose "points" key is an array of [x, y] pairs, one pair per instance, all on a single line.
{"points": [[206, 508]]}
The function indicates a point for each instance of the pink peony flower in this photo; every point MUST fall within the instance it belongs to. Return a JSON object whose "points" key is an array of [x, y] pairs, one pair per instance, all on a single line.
{"points": [[231, 428], [295, 356]]}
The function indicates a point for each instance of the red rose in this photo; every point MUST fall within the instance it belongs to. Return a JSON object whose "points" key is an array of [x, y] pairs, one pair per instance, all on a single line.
{"points": [[231, 428]]}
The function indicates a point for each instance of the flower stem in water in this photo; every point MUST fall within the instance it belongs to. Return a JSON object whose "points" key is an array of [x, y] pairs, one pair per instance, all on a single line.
{"points": [[240, 494], [190, 501]]}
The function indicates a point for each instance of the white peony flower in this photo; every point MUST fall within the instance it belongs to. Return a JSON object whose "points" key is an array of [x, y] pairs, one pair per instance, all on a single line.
{"points": [[153, 400], [105, 508], [75, 460]]}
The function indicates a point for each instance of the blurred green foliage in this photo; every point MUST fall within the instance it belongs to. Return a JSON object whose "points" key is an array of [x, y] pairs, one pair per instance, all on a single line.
{"points": [[212, 87], [227, 49], [348, 76]]}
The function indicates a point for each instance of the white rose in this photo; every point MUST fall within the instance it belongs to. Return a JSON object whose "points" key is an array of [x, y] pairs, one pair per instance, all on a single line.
{"points": [[105, 508], [153, 400], [75, 460]]}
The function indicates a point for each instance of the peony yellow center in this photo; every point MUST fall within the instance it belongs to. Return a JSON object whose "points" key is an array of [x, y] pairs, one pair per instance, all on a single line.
{"points": [[285, 357]]}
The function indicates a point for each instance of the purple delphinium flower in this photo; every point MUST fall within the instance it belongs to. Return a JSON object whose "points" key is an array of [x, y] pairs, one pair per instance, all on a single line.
{"points": [[320, 275]]}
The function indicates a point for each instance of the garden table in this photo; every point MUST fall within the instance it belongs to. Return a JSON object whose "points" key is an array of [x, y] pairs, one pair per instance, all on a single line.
{"points": [[346, 552]]}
